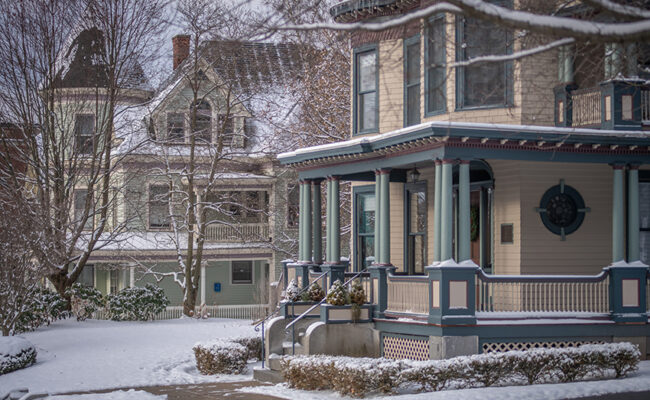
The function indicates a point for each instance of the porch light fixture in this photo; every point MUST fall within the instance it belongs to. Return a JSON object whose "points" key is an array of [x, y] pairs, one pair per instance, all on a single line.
{"points": [[562, 210], [414, 175]]}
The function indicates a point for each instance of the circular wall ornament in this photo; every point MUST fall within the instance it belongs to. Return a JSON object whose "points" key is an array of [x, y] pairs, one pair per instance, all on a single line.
{"points": [[562, 209]]}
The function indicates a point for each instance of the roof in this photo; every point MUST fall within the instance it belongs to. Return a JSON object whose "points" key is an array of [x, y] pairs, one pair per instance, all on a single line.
{"points": [[349, 10]]}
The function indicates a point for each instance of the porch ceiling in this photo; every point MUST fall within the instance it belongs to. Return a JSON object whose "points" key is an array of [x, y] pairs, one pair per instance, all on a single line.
{"points": [[406, 147]]}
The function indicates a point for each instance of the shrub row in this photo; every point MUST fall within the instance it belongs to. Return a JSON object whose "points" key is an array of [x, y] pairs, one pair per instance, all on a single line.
{"points": [[360, 376], [227, 356], [136, 303], [15, 353]]}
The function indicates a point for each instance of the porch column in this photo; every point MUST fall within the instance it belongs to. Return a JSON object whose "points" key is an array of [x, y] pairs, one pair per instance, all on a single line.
{"points": [[617, 215], [436, 211], [483, 226], [384, 218], [328, 220], [464, 224], [305, 222], [333, 228], [317, 223], [301, 221], [446, 211], [377, 217], [633, 214]]}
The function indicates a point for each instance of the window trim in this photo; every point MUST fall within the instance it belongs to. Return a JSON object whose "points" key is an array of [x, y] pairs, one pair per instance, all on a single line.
{"points": [[415, 39], [356, 190], [149, 227], [295, 187], [232, 279], [373, 47], [419, 186], [508, 98], [443, 110], [167, 137], [93, 135]]}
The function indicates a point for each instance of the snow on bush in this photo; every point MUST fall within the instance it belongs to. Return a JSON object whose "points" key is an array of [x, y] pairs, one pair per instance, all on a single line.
{"points": [[15, 353], [292, 293], [84, 300], [360, 376], [253, 346], [316, 293], [357, 294], [338, 294], [220, 357], [43, 307], [136, 303]]}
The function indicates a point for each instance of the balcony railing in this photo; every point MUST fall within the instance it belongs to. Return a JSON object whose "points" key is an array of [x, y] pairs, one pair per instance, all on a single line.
{"points": [[237, 233], [586, 106], [408, 294]]}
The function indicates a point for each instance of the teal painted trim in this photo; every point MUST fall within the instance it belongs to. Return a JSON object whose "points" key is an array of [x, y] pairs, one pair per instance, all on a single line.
{"points": [[328, 222], [380, 274], [464, 224], [317, 223], [627, 312], [414, 187], [384, 220], [446, 212], [377, 217], [407, 85], [437, 212], [617, 216], [445, 314], [301, 223], [336, 222], [483, 233], [356, 253], [428, 112], [325, 310], [633, 223], [355, 100], [308, 227]]}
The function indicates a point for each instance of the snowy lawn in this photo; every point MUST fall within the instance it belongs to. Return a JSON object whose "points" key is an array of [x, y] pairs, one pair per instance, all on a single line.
{"points": [[78, 356]]}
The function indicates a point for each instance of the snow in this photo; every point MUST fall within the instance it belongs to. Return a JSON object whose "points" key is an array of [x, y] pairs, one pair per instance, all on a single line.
{"points": [[11, 345], [80, 356], [116, 395]]}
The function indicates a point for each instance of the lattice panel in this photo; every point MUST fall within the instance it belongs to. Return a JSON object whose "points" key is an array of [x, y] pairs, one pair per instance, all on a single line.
{"points": [[499, 347], [398, 347]]}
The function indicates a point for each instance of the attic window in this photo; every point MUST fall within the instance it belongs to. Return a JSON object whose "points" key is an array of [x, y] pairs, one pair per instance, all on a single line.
{"points": [[203, 122], [175, 128], [226, 129]]}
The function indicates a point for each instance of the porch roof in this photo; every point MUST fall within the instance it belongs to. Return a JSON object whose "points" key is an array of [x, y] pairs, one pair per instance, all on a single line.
{"points": [[445, 139]]}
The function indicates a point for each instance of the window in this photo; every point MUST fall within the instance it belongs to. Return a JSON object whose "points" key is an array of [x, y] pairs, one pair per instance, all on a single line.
{"points": [[435, 73], [242, 272], [562, 209], [412, 81], [80, 213], [248, 207], [644, 215], [114, 279], [483, 84], [84, 133], [365, 240], [293, 205], [203, 124], [365, 105], [416, 228], [87, 276], [175, 127], [159, 207], [226, 129]]}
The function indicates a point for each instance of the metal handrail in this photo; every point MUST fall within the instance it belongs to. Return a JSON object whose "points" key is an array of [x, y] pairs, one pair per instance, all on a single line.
{"points": [[310, 309]]}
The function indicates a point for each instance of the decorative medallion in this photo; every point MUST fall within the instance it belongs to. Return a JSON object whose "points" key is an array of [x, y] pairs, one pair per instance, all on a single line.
{"points": [[562, 209]]}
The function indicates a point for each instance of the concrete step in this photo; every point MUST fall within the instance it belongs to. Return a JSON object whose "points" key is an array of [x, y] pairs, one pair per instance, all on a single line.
{"points": [[267, 375], [274, 362], [288, 349]]}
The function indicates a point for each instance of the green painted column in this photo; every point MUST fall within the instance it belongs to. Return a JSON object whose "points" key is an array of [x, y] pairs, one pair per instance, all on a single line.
{"points": [[301, 222], [464, 224], [335, 222], [384, 218], [328, 222], [633, 214], [446, 211], [617, 215], [482, 226], [317, 222], [436, 210], [305, 213], [377, 217]]}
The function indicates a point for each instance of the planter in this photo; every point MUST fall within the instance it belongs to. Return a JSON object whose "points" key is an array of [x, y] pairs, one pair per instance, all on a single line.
{"points": [[344, 314], [295, 309]]}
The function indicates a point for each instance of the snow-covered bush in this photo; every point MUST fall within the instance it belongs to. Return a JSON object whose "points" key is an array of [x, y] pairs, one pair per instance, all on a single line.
{"points": [[136, 303], [357, 294], [15, 353], [85, 300], [338, 294], [253, 346], [360, 376], [316, 293], [220, 357], [292, 293], [43, 307]]}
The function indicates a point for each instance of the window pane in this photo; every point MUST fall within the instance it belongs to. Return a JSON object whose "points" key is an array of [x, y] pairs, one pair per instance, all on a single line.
{"points": [[203, 125], [87, 276], [413, 63], [367, 71], [366, 213], [413, 105], [435, 65], [79, 208], [418, 212], [644, 204], [226, 129], [644, 240], [175, 127], [293, 201], [84, 133], [367, 250], [417, 257], [367, 111], [242, 272], [159, 207]]}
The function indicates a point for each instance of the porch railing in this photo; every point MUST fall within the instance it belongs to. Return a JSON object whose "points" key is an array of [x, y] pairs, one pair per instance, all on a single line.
{"points": [[586, 106], [243, 311], [238, 233], [408, 294], [528, 293], [645, 105]]}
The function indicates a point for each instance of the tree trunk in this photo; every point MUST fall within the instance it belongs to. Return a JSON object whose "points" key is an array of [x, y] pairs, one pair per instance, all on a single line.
{"points": [[61, 284], [189, 303]]}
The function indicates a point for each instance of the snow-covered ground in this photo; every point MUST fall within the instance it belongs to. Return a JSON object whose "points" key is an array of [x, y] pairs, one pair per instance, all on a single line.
{"points": [[78, 356]]}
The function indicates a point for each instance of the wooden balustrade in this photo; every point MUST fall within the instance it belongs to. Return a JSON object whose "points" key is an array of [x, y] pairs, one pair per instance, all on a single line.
{"points": [[237, 233], [542, 293], [408, 294], [586, 106]]}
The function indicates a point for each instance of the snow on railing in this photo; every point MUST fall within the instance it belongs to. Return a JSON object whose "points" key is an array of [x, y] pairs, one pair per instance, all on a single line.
{"points": [[243, 311], [408, 294], [241, 232], [586, 106], [530, 293]]}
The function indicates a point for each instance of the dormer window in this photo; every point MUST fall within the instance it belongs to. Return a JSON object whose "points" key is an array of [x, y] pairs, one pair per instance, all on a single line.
{"points": [[175, 127], [203, 123], [365, 87], [84, 128]]}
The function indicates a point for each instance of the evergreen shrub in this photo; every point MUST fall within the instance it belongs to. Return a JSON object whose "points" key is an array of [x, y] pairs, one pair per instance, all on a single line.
{"points": [[136, 303]]}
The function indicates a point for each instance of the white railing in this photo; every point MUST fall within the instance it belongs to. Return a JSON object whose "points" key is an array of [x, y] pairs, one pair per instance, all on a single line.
{"points": [[645, 105], [509, 293], [237, 233], [408, 294], [244, 311], [586, 107]]}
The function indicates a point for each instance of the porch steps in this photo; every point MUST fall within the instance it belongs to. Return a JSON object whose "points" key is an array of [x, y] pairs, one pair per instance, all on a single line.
{"points": [[267, 375]]}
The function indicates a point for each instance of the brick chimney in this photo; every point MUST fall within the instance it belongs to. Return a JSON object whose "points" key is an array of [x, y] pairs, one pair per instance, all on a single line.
{"points": [[181, 49]]}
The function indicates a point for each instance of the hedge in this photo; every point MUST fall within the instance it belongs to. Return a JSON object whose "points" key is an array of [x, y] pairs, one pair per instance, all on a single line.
{"points": [[227, 356], [15, 353]]}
